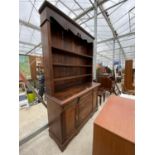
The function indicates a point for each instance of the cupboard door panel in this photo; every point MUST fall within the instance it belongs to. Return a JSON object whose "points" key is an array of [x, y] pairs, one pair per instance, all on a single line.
{"points": [[69, 120]]}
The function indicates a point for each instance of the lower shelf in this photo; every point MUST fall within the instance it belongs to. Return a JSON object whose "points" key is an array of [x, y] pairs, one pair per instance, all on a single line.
{"points": [[75, 91], [71, 77]]}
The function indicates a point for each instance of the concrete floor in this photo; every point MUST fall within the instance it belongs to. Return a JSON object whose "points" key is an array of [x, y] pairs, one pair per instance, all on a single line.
{"points": [[42, 144], [31, 119]]}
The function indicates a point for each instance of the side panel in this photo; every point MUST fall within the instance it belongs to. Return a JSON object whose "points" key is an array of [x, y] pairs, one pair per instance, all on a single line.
{"points": [[54, 119], [47, 57], [108, 143]]}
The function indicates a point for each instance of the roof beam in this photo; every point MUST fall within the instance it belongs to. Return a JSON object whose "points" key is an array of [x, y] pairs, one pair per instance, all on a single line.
{"points": [[104, 11], [116, 49], [33, 48], [104, 56], [112, 28], [88, 10], [118, 37], [29, 25], [116, 54], [26, 43]]}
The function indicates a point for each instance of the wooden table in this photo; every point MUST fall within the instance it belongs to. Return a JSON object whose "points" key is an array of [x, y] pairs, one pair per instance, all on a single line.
{"points": [[114, 128]]}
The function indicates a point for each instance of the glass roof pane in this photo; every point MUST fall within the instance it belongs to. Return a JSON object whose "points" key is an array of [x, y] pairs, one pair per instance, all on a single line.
{"points": [[62, 7], [108, 4], [84, 3], [119, 17], [36, 38], [25, 8], [26, 34], [35, 18]]}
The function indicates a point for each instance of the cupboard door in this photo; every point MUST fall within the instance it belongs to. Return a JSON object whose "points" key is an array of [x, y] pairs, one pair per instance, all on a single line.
{"points": [[85, 106], [69, 120]]}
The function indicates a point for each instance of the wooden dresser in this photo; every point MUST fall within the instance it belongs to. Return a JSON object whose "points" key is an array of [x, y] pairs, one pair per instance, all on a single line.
{"points": [[114, 128], [68, 55]]}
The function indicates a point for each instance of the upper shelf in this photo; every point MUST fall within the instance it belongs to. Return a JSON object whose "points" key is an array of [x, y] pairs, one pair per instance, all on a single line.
{"points": [[69, 65], [71, 52]]}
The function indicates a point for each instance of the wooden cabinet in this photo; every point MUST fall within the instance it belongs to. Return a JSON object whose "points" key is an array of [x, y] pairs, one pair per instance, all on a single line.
{"points": [[114, 128], [68, 56], [66, 117], [128, 77]]}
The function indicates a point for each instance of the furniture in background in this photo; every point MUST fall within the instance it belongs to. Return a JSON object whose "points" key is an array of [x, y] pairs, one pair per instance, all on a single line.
{"points": [[32, 61], [114, 128], [101, 94], [68, 55], [109, 84], [36, 65], [128, 85]]}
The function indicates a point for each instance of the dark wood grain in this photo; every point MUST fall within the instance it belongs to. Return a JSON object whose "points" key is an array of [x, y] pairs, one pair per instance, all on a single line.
{"points": [[68, 56], [70, 65], [46, 44], [71, 52], [71, 77]]}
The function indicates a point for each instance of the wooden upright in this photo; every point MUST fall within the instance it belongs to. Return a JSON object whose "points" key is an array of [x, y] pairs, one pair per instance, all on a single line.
{"points": [[32, 60], [67, 53], [128, 78]]}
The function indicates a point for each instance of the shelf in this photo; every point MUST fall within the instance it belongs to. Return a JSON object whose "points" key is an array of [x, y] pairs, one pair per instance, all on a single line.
{"points": [[71, 52], [68, 65], [71, 77], [75, 91]]}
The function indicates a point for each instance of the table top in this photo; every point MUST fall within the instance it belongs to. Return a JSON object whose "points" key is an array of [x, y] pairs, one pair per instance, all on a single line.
{"points": [[118, 117]]}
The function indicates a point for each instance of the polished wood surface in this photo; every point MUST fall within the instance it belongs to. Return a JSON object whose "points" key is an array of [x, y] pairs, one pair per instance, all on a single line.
{"points": [[114, 128], [68, 56], [76, 91]]}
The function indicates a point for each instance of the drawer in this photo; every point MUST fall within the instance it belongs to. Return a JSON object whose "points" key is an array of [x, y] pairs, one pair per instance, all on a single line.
{"points": [[86, 95], [85, 107]]}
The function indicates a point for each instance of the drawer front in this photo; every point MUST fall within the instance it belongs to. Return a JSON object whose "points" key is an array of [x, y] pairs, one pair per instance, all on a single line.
{"points": [[85, 106], [85, 96]]}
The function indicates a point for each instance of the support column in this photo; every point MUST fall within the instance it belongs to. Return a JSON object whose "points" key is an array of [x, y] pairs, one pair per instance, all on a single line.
{"points": [[95, 41], [113, 57]]}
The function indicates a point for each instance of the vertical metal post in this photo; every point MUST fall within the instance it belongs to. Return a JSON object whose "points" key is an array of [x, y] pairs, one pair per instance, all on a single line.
{"points": [[113, 58], [95, 41], [129, 21], [120, 56]]}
